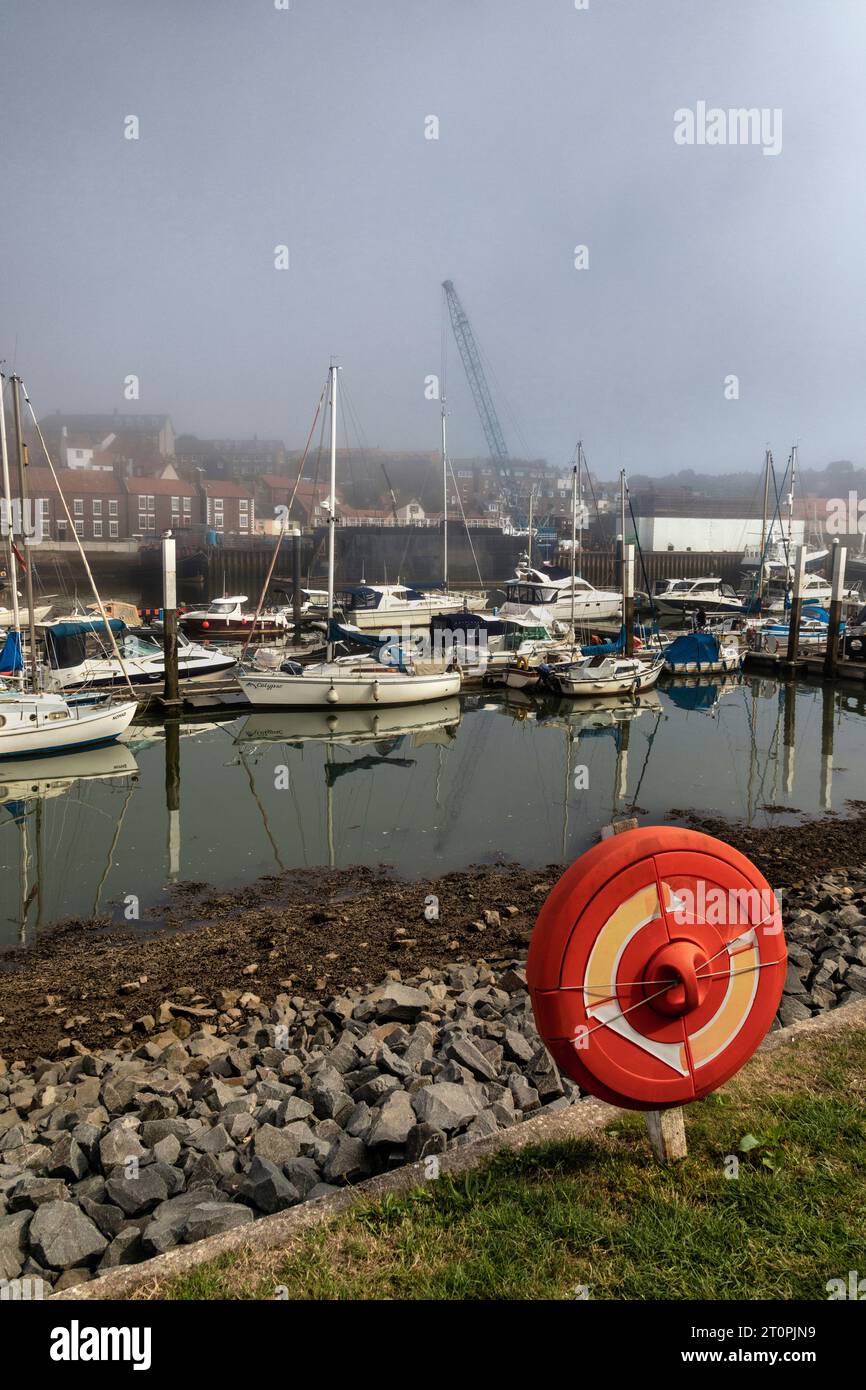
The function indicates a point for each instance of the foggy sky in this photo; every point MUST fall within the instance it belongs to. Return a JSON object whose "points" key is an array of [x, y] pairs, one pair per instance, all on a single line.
{"points": [[260, 127]]}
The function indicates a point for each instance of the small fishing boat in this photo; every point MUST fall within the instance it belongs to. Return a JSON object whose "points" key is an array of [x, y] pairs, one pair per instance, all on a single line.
{"points": [[35, 725], [702, 653], [602, 675], [227, 620]]}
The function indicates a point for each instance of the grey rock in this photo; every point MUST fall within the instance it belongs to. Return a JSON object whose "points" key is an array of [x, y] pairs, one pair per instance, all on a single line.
{"points": [[213, 1218], [401, 1003], [463, 1051], [277, 1145], [118, 1145], [31, 1192], [13, 1243], [446, 1106], [67, 1159], [347, 1161], [125, 1249], [792, 1011], [424, 1140], [61, 1236], [392, 1121], [139, 1193], [266, 1187]]}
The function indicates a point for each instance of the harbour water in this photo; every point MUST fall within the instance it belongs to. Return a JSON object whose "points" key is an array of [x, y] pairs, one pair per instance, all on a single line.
{"points": [[425, 790]]}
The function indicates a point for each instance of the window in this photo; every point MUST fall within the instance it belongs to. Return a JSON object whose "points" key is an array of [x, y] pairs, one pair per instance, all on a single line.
{"points": [[97, 530], [97, 506], [243, 506], [112, 530], [175, 506], [151, 504], [112, 506], [79, 528], [78, 506], [187, 506]]}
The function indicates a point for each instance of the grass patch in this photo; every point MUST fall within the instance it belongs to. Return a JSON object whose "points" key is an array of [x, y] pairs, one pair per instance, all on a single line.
{"points": [[600, 1213]]}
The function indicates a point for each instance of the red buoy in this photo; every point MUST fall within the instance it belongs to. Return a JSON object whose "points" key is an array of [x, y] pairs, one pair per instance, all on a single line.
{"points": [[656, 966]]}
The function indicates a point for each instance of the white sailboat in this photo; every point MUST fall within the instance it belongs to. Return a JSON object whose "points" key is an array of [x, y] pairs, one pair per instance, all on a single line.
{"points": [[352, 681], [32, 723]]}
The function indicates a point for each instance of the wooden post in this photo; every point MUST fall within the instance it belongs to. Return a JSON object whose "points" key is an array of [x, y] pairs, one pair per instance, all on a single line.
{"points": [[667, 1133], [21, 456], [628, 597], [837, 583], [796, 604], [296, 584], [170, 692]]}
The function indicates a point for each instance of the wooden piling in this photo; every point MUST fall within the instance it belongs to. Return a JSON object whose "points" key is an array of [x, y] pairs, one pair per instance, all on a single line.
{"points": [[837, 584], [796, 604]]}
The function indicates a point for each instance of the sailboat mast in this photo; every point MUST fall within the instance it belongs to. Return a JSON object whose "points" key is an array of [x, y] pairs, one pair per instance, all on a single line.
{"points": [[573, 537], [579, 496], [791, 504], [7, 494], [529, 547], [444, 500], [332, 508], [768, 459], [22, 490]]}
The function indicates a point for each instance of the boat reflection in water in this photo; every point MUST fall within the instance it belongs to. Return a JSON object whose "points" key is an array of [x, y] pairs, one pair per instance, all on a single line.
{"points": [[434, 723], [25, 786], [388, 730]]}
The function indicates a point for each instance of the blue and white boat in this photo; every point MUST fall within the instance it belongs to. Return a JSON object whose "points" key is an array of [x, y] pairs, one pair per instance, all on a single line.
{"points": [[702, 653]]}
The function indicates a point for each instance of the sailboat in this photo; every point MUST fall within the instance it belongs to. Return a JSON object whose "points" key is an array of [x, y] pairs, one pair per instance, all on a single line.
{"points": [[32, 723], [351, 681]]}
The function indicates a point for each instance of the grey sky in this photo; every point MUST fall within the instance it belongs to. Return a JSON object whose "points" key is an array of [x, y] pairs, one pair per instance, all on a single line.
{"points": [[261, 127]]}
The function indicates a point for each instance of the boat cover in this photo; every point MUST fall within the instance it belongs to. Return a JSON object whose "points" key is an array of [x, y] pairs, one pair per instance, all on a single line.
{"points": [[606, 648], [11, 658], [700, 647]]}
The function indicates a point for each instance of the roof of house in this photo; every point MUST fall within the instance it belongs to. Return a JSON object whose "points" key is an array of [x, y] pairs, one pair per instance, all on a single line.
{"points": [[164, 487], [73, 482], [224, 487]]}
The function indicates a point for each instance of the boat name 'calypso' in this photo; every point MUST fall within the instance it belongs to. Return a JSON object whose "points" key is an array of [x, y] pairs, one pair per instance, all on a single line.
{"points": [[77, 1343]]}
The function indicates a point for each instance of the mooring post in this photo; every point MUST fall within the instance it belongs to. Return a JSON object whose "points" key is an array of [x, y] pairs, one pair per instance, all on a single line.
{"points": [[837, 583], [796, 605], [628, 597], [296, 584], [828, 713], [171, 692]]}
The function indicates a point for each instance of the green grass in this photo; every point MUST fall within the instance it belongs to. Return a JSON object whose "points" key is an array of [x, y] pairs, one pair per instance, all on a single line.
{"points": [[600, 1213]]}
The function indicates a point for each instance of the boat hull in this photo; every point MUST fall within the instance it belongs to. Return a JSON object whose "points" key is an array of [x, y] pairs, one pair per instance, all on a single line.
{"points": [[282, 691], [231, 629], [104, 675], [88, 729]]}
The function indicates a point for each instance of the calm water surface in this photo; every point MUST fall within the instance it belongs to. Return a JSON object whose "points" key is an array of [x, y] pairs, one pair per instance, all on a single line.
{"points": [[426, 790]]}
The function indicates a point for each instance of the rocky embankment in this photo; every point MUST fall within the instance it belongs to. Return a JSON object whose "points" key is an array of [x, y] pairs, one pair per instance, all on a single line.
{"points": [[231, 1106]]}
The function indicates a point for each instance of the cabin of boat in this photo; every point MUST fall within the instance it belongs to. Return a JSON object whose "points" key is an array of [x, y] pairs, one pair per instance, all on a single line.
{"points": [[710, 593], [226, 618]]}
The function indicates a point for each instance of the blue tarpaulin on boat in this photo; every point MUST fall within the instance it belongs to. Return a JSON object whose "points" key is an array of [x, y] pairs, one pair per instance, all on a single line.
{"points": [[76, 627], [11, 657], [700, 647], [606, 648]]}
